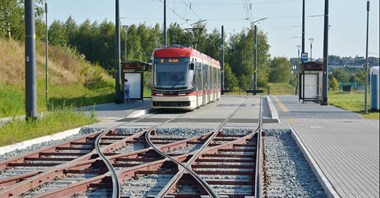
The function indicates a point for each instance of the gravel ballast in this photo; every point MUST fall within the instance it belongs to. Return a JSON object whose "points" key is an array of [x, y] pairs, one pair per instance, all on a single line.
{"points": [[289, 174]]}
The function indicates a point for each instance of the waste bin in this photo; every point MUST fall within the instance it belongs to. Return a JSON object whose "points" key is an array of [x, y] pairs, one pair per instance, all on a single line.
{"points": [[347, 88]]}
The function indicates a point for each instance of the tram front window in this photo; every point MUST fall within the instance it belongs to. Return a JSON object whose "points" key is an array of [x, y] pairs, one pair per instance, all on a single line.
{"points": [[171, 76]]}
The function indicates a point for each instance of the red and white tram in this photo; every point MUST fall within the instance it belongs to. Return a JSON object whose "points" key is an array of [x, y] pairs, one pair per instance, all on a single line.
{"points": [[184, 78]]}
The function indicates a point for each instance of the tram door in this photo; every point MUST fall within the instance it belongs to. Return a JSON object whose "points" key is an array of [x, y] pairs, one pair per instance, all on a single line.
{"points": [[210, 83], [214, 80], [204, 84], [197, 72]]}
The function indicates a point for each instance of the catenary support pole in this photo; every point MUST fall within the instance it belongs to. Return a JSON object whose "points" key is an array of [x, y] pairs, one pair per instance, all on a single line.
{"points": [[30, 62], [366, 65], [302, 47], [325, 82], [222, 59], [303, 26], [165, 38], [118, 92], [255, 61]]}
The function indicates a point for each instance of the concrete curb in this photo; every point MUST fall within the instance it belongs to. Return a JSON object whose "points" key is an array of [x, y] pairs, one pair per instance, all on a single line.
{"points": [[273, 111], [24, 144], [325, 183], [138, 113]]}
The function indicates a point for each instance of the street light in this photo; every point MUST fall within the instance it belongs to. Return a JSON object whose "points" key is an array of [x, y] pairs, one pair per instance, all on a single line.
{"points": [[298, 47], [311, 48], [47, 55], [298, 74], [126, 38]]}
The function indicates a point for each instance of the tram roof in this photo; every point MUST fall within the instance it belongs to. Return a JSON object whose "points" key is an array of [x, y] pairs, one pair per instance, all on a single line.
{"points": [[179, 52]]}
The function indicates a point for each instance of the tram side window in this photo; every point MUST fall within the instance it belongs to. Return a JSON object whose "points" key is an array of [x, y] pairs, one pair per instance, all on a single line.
{"points": [[205, 76], [199, 75]]}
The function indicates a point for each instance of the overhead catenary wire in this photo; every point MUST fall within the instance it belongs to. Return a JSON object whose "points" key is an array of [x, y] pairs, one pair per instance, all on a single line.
{"points": [[171, 9], [191, 9], [187, 6]]}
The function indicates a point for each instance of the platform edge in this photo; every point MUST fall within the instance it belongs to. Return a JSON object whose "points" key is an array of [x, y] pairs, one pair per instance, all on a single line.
{"points": [[322, 179]]}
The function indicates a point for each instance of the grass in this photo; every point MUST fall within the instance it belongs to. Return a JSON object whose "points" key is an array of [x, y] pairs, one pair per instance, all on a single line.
{"points": [[11, 101], [279, 89], [352, 101], [73, 82], [19, 130]]}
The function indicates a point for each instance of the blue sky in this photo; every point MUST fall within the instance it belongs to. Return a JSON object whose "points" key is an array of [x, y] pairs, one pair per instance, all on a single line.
{"points": [[347, 33]]}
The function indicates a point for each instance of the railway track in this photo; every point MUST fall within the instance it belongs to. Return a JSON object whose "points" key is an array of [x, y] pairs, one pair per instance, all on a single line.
{"points": [[150, 162]]}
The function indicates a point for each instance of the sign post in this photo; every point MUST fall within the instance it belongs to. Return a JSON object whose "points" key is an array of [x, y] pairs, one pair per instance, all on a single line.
{"points": [[304, 57]]}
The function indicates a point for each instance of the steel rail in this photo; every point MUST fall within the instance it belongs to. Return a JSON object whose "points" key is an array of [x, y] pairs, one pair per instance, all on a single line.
{"points": [[197, 153], [130, 171], [4, 164], [24, 182], [200, 181], [59, 171], [259, 150], [115, 180]]}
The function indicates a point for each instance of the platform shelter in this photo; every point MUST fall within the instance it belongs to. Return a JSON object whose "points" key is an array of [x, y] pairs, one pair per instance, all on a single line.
{"points": [[310, 81], [134, 72]]}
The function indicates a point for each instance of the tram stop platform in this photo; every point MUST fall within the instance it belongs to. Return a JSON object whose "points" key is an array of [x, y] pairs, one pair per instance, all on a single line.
{"points": [[341, 146]]}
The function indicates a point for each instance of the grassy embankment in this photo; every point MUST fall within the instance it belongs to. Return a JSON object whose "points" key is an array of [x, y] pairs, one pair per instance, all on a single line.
{"points": [[73, 82]]}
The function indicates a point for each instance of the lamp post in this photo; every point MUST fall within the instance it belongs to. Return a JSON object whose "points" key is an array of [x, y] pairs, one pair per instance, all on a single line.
{"points": [[311, 48], [125, 45], [299, 47], [46, 53], [298, 75]]}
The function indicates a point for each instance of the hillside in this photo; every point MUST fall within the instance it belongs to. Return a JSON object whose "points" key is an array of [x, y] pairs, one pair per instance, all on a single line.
{"points": [[73, 81]]}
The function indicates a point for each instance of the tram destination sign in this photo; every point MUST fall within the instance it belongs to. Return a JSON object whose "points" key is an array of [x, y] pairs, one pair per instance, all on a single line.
{"points": [[172, 60]]}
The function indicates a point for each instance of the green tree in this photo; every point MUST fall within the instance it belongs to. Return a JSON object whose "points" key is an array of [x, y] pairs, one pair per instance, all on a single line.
{"points": [[176, 35], [230, 80], [263, 59], [341, 75], [360, 76], [57, 34], [245, 82], [211, 45], [334, 84], [280, 70], [240, 55], [134, 44], [71, 29], [12, 19]]}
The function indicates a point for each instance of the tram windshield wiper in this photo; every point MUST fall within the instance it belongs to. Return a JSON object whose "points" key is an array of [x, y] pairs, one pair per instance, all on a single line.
{"points": [[176, 83]]}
